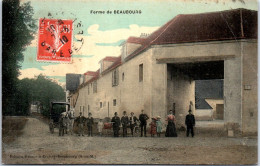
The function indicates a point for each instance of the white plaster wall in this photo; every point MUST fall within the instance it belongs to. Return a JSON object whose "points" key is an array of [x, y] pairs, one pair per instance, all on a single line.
{"points": [[213, 103], [158, 89], [184, 92], [180, 90], [204, 114], [250, 99], [131, 95], [232, 90]]}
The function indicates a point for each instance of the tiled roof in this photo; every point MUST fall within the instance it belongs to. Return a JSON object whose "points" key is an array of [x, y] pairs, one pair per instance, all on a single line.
{"points": [[223, 25], [110, 58], [90, 73], [136, 40]]}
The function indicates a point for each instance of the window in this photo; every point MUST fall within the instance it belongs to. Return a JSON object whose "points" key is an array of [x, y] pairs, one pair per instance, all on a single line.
{"points": [[140, 72], [114, 102], [100, 104], [123, 76], [115, 76], [95, 87]]}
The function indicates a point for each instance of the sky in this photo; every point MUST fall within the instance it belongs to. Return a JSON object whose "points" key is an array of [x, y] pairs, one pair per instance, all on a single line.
{"points": [[103, 33]]}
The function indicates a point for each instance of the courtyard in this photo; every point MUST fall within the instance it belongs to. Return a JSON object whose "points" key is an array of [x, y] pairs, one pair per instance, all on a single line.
{"points": [[36, 145]]}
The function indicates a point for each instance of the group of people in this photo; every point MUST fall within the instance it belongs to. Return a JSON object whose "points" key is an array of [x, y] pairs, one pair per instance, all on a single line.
{"points": [[155, 126], [132, 121]]}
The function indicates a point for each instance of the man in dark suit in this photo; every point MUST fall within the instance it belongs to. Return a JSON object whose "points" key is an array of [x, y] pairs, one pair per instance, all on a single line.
{"points": [[124, 121], [190, 122], [132, 120], [90, 122], [62, 125], [81, 122], [143, 118], [116, 124]]}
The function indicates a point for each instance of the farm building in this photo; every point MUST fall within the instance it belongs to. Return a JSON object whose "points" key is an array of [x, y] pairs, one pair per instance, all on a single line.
{"points": [[157, 73]]}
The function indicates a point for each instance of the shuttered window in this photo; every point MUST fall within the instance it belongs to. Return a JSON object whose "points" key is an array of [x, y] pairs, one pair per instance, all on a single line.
{"points": [[115, 77], [95, 87], [140, 72]]}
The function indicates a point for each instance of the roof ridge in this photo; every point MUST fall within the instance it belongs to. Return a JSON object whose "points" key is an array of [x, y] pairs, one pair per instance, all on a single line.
{"points": [[214, 12]]}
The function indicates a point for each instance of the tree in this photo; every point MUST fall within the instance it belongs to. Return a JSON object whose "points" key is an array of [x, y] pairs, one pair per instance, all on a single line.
{"points": [[18, 30], [40, 89], [24, 98]]}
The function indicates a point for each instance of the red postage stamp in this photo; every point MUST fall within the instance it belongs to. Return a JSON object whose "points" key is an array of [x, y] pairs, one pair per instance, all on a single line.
{"points": [[54, 40]]}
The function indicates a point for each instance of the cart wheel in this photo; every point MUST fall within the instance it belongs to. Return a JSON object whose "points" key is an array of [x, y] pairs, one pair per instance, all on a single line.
{"points": [[51, 126]]}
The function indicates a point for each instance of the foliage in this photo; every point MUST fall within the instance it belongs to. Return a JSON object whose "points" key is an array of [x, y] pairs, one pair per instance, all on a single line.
{"points": [[17, 33], [40, 89]]}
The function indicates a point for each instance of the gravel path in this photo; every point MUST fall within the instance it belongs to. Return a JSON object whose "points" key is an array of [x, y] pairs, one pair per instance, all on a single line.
{"points": [[37, 145]]}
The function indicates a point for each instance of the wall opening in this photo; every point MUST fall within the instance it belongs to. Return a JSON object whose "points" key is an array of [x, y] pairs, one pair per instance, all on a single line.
{"points": [[181, 87]]}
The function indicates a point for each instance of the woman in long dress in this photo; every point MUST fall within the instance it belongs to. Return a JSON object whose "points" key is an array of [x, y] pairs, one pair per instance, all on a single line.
{"points": [[171, 129]]}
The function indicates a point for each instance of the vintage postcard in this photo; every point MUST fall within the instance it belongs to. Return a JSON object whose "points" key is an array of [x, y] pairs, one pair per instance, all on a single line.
{"points": [[130, 82]]}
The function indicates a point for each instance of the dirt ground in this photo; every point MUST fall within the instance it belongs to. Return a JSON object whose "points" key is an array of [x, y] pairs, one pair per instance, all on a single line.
{"points": [[38, 146], [12, 128]]}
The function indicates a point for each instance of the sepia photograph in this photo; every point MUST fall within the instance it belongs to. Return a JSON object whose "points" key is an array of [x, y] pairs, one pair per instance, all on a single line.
{"points": [[172, 82]]}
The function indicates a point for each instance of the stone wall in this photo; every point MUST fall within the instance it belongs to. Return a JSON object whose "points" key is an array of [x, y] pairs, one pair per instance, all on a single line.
{"points": [[249, 88]]}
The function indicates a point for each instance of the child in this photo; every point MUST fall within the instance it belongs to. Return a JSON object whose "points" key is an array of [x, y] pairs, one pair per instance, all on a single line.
{"points": [[100, 126], [158, 126], [153, 127]]}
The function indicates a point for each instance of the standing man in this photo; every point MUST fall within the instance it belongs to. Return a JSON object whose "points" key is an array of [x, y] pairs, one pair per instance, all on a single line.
{"points": [[124, 121], [90, 122], [81, 121], [71, 120], [132, 120], [62, 125], [190, 122], [116, 123], [143, 118]]}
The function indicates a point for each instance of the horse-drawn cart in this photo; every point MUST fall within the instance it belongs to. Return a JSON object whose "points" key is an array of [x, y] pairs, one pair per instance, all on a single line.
{"points": [[56, 109]]}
